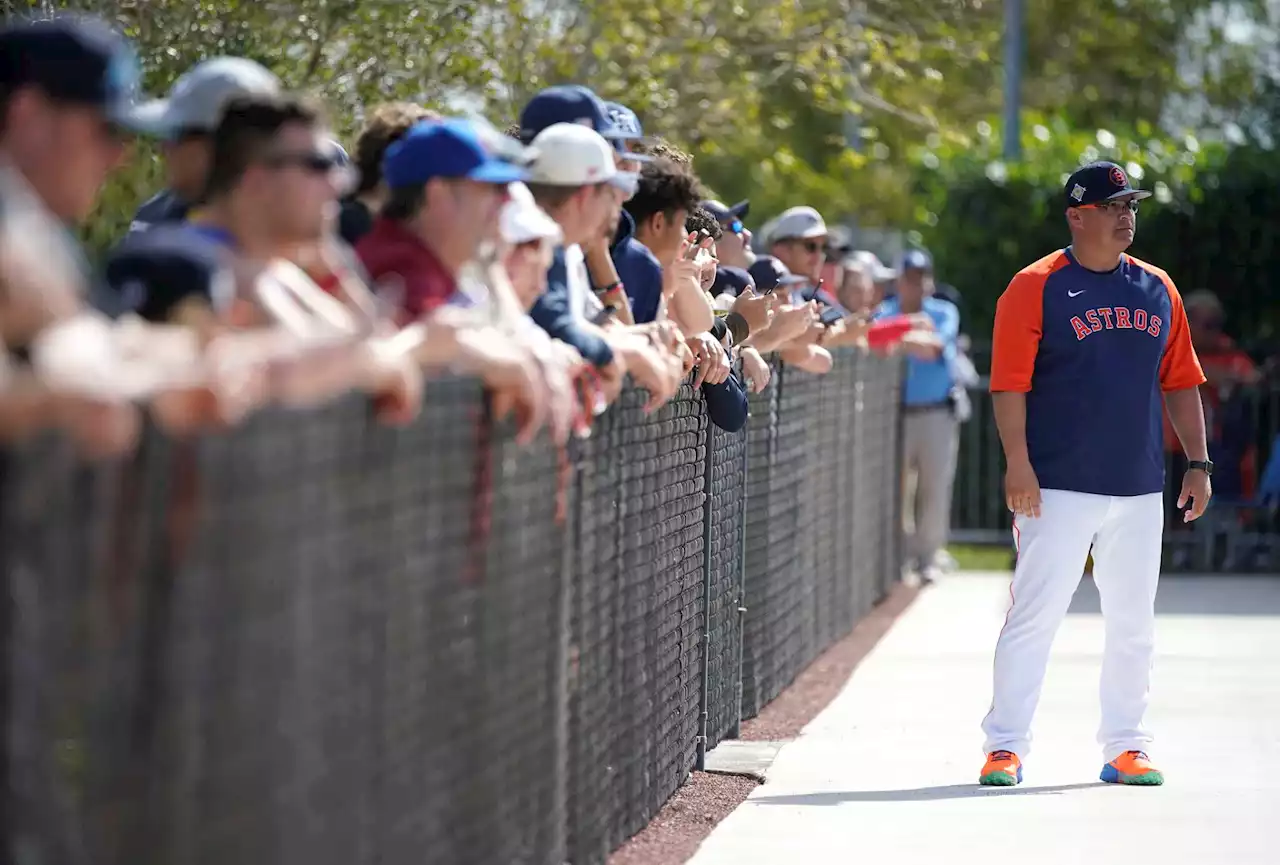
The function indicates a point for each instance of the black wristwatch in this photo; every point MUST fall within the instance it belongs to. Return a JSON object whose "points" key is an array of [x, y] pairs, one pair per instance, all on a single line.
{"points": [[1205, 466]]}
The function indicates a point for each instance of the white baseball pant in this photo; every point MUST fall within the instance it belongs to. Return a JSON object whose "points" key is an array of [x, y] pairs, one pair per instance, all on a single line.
{"points": [[1125, 532]]}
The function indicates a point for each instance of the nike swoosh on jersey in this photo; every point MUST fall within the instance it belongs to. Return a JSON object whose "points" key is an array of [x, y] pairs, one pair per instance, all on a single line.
{"points": [[1076, 293]]}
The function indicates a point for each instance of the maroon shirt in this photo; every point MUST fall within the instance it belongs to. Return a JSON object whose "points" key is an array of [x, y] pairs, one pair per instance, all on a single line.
{"points": [[397, 260]]}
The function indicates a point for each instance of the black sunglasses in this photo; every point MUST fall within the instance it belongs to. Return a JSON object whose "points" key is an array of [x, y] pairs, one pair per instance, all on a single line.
{"points": [[314, 162]]}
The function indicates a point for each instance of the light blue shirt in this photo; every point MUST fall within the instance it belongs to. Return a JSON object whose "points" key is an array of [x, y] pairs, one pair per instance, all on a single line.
{"points": [[929, 381]]}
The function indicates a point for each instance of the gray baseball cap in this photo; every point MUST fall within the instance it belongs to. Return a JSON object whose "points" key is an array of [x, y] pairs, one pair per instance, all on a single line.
{"points": [[803, 223], [198, 97]]}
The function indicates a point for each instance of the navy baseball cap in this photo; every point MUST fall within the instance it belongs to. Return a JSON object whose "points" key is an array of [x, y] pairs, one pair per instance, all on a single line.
{"points": [[731, 281], [1098, 182], [78, 60], [444, 148], [151, 270], [625, 121], [724, 213], [916, 259], [569, 103], [769, 273]]}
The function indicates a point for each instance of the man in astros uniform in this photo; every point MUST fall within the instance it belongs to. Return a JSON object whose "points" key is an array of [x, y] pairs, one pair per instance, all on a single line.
{"points": [[1087, 343]]}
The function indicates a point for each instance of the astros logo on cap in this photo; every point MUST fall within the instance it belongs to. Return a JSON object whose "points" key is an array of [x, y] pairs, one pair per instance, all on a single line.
{"points": [[1117, 176]]}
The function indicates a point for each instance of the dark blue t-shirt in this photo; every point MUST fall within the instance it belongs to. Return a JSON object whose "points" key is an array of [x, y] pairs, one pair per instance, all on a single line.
{"points": [[1093, 352]]}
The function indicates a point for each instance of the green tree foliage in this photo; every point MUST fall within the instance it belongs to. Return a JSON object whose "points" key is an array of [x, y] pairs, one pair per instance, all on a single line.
{"points": [[764, 93], [1213, 222]]}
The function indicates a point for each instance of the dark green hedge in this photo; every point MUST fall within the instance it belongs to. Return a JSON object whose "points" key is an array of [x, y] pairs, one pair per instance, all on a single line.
{"points": [[1214, 223]]}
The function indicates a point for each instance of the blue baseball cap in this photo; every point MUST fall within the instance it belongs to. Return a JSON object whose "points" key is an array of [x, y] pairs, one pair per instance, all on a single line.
{"points": [[569, 103], [79, 60], [626, 121], [444, 148]]}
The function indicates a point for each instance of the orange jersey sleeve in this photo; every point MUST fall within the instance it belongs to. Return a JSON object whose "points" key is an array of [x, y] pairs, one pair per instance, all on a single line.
{"points": [[1018, 326], [1180, 368]]}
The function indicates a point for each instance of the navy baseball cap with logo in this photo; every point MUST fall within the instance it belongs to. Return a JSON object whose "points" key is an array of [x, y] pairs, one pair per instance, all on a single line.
{"points": [[448, 149], [1098, 182], [77, 60], [568, 103], [731, 281], [626, 122], [769, 273]]}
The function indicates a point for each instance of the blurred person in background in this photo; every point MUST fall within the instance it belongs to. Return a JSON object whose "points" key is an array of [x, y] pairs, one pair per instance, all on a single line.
{"points": [[619, 126], [734, 248], [1230, 373], [666, 194], [269, 185], [794, 330], [189, 115], [574, 178], [444, 195], [839, 247], [930, 426], [799, 238], [67, 110], [386, 125], [735, 283], [881, 275]]}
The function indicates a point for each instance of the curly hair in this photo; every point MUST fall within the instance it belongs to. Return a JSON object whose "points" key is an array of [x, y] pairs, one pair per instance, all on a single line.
{"points": [[665, 187], [662, 149], [385, 126], [700, 219]]}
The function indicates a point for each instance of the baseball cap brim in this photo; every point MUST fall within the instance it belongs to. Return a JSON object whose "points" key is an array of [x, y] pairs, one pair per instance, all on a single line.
{"points": [[497, 171], [627, 181], [1137, 194], [741, 209], [152, 118]]}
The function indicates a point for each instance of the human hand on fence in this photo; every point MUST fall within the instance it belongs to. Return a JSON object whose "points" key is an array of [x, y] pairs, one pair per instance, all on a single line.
{"points": [[99, 428], [755, 369], [512, 377], [793, 321], [756, 309], [713, 360], [656, 370]]}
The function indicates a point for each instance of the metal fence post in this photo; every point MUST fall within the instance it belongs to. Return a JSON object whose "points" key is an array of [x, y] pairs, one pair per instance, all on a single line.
{"points": [[704, 698], [736, 730], [561, 818]]}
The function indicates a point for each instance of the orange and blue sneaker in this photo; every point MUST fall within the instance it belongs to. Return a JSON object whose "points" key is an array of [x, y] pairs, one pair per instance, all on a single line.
{"points": [[1132, 767], [1002, 769]]}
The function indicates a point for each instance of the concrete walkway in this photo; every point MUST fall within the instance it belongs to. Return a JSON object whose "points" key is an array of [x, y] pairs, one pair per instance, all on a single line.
{"points": [[888, 772]]}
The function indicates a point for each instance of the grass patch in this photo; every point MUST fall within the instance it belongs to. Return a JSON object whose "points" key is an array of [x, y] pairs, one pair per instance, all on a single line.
{"points": [[973, 557]]}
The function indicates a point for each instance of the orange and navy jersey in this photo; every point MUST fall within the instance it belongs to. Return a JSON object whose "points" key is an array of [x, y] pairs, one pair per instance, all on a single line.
{"points": [[1093, 352]]}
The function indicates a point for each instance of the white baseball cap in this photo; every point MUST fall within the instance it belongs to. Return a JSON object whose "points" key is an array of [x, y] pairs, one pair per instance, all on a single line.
{"points": [[198, 97], [571, 154], [798, 223], [522, 220]]}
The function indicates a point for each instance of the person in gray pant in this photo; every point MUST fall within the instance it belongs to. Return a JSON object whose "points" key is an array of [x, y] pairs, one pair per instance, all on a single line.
{"points": [[930, 426]]}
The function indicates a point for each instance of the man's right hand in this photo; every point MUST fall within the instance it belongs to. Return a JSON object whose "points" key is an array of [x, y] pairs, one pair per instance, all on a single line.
{"points": [[755, 308], [1022, 490]]}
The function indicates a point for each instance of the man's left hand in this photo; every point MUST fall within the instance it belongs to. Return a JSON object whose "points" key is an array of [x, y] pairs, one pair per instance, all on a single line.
{"points": [[1197, 491]]}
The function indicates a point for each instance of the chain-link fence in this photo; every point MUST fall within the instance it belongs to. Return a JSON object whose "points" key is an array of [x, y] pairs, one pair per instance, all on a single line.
{"points": [[1240, 532], [314, 639]]}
